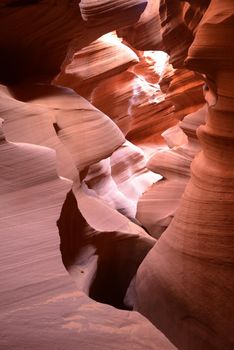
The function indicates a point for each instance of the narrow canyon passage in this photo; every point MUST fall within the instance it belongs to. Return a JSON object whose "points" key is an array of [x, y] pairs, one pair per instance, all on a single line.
{"points": [[103, 255], [116, 174]]}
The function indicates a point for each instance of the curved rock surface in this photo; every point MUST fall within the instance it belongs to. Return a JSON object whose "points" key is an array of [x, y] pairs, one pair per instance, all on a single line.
{"points": [[174, 165], [117, 13], [87, 136], [40, 306], [118, 97], [191, 84], [182, 278], [84, 69], [91, 247], [28, 111], [157, 206], [193, 260], [181, 18], [146, 33]]}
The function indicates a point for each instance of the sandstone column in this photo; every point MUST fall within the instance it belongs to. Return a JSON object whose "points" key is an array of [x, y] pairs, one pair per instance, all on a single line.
{"points": [[185, 285]]}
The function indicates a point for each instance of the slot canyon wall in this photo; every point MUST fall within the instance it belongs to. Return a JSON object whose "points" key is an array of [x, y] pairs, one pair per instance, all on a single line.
{"points": [[117, 174]]}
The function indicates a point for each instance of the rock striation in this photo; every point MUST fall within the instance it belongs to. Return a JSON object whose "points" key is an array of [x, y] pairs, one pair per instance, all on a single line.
{"points": [[117, 13], [189, 264], [129, 149], [84, 69], [145, 34], [40, 305]]}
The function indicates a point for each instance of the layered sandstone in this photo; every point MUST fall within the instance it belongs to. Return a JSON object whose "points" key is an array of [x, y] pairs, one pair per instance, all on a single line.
{"points": [[83, 70], [40, 305], [111, 163], [188, 266]]}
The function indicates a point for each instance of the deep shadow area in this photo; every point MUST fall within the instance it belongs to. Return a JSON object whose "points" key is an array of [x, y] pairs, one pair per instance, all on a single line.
{"points": [[18, 3], [118, 254]]}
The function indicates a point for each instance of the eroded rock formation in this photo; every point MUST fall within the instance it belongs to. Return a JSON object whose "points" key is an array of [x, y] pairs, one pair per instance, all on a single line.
{"points": [[99, 128], [40, 305], [183, 276]]}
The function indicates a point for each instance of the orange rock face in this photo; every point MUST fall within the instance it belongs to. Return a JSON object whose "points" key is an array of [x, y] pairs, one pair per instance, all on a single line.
{"points": [[123, 154], [146, 33], [117, 13], [35, 289], [83, 70], [119, 96], [183, 275]]}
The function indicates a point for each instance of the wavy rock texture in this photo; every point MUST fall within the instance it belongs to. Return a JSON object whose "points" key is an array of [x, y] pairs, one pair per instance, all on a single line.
{"points": [[29, 114], [92, 256], [83, 70], [100, 179], [117, 13], [39, 114], [78, 120], [135, 101], [34, 112], [52, 108], [185, 92], [146, 33], [128, 168], [121, 179], [157, 206], [183, 283], [87, 136], [151, 114], [181, 18], [174, 163], [193, 260], [40, 306], [137, 104], [93, 231], [118, 97]]}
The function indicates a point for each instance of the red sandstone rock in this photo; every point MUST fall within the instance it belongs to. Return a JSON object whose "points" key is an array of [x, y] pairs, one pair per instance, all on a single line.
{"points": [[29, 114], [87, 135], [174, 165], [151, 114], [156, 207], [84, 69], [118, 97], [146, 33], [191, 263], [136, 102], [192, 97], [174, 136], [40, 305], [129, 171], [185, 284], [117, 13]]}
